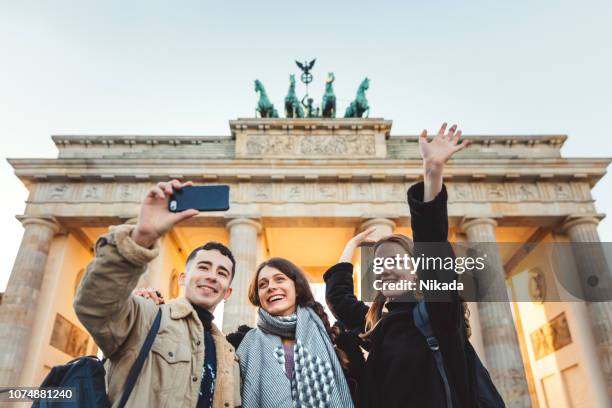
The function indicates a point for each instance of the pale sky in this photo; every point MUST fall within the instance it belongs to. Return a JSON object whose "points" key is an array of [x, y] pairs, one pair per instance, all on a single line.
{"points": [[159, 67]]}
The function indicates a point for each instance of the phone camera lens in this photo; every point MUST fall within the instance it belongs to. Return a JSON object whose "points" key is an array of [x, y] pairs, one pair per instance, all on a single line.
{"points": [[173, 205]]}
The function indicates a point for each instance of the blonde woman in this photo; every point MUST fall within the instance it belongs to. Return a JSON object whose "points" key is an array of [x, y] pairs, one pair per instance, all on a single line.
{"points": [[400, 368]]}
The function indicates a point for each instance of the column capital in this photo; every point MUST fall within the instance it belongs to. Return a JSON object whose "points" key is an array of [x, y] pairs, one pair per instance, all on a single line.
{"points": [[573, 221], [49, 222], [376, 221], [468, 223], [244, 220]]}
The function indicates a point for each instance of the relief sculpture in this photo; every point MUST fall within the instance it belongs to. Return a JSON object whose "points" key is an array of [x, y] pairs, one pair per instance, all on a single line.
{"points": [[307, 145], [58, 191], [527, 192], [270, 145], [551, 337], [92, 192]]}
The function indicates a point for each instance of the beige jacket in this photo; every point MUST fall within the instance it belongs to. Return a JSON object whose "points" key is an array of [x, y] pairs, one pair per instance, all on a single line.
{"points": [[119, 323]]}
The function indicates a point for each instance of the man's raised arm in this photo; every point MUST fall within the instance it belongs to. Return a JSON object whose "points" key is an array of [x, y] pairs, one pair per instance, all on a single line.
{"points": [[104, 301]]}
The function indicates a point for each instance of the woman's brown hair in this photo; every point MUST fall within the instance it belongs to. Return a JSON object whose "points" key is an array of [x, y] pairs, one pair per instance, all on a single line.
{"points": [[375, 312], [303, 296]]}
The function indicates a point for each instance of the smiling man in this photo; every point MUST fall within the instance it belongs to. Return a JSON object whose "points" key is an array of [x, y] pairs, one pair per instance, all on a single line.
{"points": [[190, 363]]}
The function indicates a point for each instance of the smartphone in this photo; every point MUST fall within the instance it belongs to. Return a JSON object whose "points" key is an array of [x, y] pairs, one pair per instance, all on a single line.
{"points": [[202, 198]]}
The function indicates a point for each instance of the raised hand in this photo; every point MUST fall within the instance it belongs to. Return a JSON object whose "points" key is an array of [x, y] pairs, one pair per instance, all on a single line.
{"points": [[441, 147], [435, 153], [155, 219], [351, 246]]}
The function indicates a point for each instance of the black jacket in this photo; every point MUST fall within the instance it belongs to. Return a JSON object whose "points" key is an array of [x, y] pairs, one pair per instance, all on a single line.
{"points": [[400, 369]]}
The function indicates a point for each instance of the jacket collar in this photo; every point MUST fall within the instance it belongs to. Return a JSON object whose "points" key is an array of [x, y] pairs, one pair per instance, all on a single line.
{"points": [[180, 308]]}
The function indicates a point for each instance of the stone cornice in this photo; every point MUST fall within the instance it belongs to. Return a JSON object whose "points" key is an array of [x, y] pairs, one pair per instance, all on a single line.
{"points": [[62, 141], [299, 139], [279, 170], [507, 140], [130, 140], [308, 124]]}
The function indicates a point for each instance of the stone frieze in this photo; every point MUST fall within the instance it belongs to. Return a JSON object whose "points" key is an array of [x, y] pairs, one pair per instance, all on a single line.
{"points": [[310, 145], [345, 192]]}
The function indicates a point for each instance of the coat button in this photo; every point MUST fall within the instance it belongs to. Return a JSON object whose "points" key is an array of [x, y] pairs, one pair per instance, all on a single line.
{"points": [[194, 378], [170, 354], [226, 404], [198, 343]]}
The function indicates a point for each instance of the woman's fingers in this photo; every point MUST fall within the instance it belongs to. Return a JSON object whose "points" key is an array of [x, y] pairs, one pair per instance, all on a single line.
{"points": [[364, 234], [451, 132], [141, 292], [156, 296], [366, 242], [149, 293], [455, 139], [452, 135], [442, 130], [368, 231], [461, 145]]}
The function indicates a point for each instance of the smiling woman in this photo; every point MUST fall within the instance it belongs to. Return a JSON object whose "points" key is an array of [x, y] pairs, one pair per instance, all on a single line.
{"points": [[278, 286], [293, 344]]}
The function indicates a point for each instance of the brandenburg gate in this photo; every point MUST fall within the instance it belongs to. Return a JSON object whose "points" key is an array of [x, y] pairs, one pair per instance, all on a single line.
{"points": [[300, 188]]}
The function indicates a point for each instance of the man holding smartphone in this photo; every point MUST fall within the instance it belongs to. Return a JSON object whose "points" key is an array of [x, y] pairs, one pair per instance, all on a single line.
{"points": [[190, 363]]}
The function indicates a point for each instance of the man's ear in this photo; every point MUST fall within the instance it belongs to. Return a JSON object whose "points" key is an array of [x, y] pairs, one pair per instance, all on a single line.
{"points": [[228, 292], [181, 278]]}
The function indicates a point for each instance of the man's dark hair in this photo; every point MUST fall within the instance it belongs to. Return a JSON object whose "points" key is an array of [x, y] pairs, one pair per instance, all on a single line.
{"points": [[209, 246]]}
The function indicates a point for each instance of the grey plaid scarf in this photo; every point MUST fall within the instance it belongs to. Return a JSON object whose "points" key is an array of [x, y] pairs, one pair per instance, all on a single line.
{"points": [[318, 380]]}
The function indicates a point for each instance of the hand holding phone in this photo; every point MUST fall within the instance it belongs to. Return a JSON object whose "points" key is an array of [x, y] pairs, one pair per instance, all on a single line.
{"points": [[154, 219]]}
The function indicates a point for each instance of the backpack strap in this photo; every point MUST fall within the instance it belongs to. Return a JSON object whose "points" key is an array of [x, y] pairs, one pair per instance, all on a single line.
{"points": [[421, 320], [142, 356]]}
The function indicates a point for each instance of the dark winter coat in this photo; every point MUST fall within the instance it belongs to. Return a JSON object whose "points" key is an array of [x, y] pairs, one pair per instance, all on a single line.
{"points": [[400, 370]]}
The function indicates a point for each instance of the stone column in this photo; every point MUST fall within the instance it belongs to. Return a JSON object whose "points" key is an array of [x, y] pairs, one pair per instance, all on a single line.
{"points": [[45, 318], [20, 301], [243, 235], [593, 271], [589, 358], [499, 337], [384, 227], [476, 338]]}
